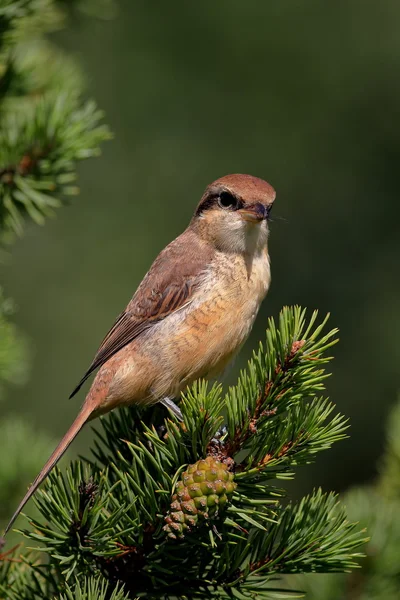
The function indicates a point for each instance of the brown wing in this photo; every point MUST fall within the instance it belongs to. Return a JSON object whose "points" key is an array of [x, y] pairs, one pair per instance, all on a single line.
{"points": [[168, 286]]}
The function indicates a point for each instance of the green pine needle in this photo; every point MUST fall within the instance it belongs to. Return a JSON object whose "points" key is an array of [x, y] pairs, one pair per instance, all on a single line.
{"points": [[108, 516]]}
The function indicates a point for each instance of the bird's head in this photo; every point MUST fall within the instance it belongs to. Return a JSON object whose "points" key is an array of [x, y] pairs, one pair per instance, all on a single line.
{"points": [[233, 213]]}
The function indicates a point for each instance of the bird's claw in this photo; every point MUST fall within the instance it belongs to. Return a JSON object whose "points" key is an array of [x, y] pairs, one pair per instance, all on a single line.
{"points": [[170, 404]]}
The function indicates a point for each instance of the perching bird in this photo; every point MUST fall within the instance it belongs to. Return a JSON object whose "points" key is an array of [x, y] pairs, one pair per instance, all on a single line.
{"points": [[192, 312]]}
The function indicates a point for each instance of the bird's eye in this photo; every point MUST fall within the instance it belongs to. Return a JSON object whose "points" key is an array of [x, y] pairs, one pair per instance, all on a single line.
{"points": [[226, 200]]}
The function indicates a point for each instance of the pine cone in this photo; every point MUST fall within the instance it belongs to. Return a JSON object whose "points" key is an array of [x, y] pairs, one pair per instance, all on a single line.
{"points": [[202, 492]]}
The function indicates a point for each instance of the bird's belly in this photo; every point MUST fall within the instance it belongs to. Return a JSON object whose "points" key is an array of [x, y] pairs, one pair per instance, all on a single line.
{"points": [[212, 337]]}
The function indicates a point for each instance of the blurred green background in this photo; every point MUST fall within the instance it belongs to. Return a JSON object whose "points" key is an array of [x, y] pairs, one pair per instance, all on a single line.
{"points": [[304, 94]]}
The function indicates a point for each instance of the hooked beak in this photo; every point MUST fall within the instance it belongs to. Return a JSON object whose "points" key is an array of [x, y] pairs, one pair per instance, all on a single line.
{"points": [[254, 213]]}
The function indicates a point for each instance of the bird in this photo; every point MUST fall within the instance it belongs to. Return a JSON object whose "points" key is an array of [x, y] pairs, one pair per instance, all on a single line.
{"points": [[191, 313]]}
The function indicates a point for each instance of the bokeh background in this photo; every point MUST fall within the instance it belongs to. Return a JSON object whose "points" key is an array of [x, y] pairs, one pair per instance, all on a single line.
{"points": [[304, 94]]}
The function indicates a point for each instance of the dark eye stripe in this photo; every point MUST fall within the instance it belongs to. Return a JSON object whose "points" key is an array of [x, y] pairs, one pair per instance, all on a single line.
{"points": [[211, 201], [208, 202]]}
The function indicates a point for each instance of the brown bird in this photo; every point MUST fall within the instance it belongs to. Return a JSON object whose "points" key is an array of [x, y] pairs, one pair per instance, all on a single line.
{"points": [[190, 315]]}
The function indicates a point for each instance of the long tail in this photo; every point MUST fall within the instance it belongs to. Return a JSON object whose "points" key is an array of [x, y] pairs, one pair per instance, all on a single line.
{"points": [[72, 432]]}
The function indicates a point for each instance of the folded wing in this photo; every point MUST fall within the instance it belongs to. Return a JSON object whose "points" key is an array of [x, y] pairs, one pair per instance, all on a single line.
{"points": [[170, 284]]}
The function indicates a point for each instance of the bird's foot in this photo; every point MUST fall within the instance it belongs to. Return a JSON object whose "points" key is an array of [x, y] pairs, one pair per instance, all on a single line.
{"points": [[170, 404]]}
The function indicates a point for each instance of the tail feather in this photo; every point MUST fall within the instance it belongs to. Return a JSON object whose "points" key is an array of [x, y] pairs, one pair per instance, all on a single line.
{"points": [[72, 432]]}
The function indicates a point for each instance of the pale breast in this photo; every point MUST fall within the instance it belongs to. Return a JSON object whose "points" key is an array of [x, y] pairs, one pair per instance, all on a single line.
{"points": [[200, 339], [206, 336]]}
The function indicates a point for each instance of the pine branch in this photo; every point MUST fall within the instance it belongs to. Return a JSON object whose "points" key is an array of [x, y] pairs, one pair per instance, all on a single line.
{"points": [[24, 576], [93, 589], [83, 520], [379, 576], [313, 535], [46, 127], [376, 507], [230, 533], [294, 439], [39, 150], [282, 375]]}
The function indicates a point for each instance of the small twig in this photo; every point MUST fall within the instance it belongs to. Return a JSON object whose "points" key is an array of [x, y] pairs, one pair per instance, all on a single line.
{"points": [[5, 556]]}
